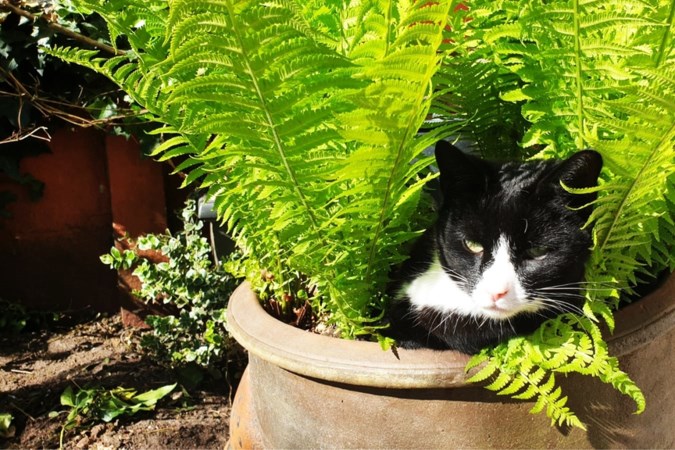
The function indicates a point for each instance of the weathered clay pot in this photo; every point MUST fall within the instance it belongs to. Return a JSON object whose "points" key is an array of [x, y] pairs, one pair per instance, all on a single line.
{"points": [[302, 390]]}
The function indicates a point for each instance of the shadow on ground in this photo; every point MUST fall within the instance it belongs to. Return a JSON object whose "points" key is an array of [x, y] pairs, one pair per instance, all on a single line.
{"points": [[36, 368]]}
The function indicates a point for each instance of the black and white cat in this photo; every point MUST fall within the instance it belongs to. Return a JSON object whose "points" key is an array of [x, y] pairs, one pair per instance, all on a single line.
{"points": [[506, 253]]}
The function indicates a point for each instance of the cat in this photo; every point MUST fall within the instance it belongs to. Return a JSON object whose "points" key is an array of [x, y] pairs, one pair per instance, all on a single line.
{"points": [[506, 253]]}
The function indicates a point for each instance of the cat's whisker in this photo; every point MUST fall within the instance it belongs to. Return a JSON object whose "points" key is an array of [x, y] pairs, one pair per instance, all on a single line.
{"points": [[566, 295], [596, 286], [559, 293], [574, 301], [485, 320], [447, 319], [584, 283], [454, 329], [557, 306], [439, 323], [413, 314], [452, 273], [556, 301], [555, 289], [574, 316]]}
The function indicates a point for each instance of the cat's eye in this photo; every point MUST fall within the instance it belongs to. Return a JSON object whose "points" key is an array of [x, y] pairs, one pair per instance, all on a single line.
{"points": [[473, 246], [538, 252]]}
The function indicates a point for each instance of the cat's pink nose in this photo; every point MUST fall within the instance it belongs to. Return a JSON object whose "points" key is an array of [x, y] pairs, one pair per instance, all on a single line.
{"points": [[499, 295]]}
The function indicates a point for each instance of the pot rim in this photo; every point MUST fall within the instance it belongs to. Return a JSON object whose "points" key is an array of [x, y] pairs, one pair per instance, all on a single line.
{"points": [[366, 364]]}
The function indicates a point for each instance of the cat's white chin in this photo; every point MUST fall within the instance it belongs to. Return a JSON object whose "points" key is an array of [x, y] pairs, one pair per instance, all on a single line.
{"points": [[500, 313], [504, 309]]}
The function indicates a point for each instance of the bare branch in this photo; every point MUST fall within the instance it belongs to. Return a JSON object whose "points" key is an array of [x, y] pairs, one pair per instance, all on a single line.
{"points": [[70, 112], [17, 136], [6, 5]]}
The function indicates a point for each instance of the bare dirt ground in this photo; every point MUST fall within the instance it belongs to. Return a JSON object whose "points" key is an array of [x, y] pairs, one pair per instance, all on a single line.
{"points": [[35, 368]]}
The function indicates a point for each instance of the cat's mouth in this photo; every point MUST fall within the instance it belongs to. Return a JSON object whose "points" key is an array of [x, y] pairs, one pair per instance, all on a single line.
{"points": [[507, 309], [495, 311]]}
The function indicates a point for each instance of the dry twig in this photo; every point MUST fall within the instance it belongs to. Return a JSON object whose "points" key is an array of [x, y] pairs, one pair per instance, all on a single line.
{"points": [[8, 6]]}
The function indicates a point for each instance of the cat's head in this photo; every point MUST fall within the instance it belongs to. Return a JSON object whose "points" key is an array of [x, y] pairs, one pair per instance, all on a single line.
{"points": [[510, 236]]}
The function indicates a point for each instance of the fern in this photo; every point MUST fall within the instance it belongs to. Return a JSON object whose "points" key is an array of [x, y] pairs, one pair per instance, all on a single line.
{"points": [[384, 130], [303, 131], [589, 74]]}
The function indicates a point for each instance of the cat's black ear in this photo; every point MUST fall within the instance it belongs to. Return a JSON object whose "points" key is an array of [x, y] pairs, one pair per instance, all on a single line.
{"points": [[459, 172], [580, 170]]}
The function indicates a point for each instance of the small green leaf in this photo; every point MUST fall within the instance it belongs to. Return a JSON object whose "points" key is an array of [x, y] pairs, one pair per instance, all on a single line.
{"points": [[517, 95], [539, 405], [386, 343], [67, 397], [150, 398], [515, 386], [486, 372], [500, 382], [6, 424], [476, 360]]}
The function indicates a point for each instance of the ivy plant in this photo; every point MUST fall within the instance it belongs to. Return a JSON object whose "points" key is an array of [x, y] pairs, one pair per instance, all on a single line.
{"points": [[40, 93], [188, 282], [301, 120]]}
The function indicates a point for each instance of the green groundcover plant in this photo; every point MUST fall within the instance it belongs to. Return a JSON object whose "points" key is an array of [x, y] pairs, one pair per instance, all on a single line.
{"points": [[302, 121], [191, 284], [89, 405]]}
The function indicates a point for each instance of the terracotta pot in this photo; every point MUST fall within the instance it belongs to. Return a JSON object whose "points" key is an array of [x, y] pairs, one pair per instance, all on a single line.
{"points": [[302, 390], [50, 248]]}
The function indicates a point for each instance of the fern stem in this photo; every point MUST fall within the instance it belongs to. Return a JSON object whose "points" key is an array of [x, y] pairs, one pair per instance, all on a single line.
{"points": [[624, 201], [388, 20], [579, 72], [666, 35], [270, 121], [344, 45]]}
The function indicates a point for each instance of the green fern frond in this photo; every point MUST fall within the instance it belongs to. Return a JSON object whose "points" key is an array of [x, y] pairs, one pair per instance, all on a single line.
{"points": [[611, 374], [540, 386], [304, 114], [587, 74]]}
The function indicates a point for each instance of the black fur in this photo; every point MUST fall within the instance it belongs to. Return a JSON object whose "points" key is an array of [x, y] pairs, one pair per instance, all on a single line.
{"points": [[481, 201]]}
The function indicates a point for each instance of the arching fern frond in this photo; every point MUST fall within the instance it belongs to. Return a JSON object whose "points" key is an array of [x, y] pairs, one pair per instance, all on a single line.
{"points": [[305, 136], [598, 75], [383, 128]]}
